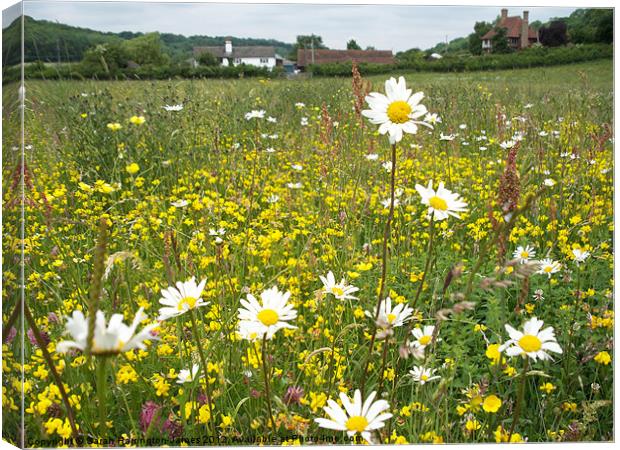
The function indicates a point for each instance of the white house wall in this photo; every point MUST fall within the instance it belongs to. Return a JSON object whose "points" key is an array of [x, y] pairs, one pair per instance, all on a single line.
{"points": [[271, 62]]}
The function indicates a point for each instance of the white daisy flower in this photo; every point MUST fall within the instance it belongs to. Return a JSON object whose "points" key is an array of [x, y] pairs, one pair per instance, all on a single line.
{"points": [[304, 121], [524, 254], [432, 118], [389, 317], [423, 336], [387, 165], [341, 291], [273, 198], [548, 267], [549, 182], [255, 114], [300, 105], [372, 156], [293, 185], [267, 317], [188, 375], [112, 339], [178, 107], [532, 342], [357, 416], [180, 203], [422, 375], [396, 111], [180, 299], [447, 137], [271, 119], [507, 144], [441, 203], [386, 203], [580, 255], [297, 167]]}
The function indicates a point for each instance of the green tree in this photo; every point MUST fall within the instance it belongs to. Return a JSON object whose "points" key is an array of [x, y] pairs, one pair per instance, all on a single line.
{"points": [[475, 39], [109, 57], [499, 42], [306, 41], [207, 59], [146, 50], [352, 45]]}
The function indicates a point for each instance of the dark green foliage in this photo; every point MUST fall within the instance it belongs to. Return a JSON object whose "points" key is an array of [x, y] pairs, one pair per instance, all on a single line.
{"points": [[207, 59], [531, 57], [352, 45], [475, 39], [590, 25], [306, 41], [553, 34], [458, 45], [499, 42]]}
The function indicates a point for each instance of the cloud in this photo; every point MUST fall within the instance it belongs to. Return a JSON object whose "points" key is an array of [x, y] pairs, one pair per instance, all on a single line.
{"points": [[384, 27]]}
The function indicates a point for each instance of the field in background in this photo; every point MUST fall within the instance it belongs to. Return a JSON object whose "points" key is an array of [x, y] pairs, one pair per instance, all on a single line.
{"points": [[248, 204]]}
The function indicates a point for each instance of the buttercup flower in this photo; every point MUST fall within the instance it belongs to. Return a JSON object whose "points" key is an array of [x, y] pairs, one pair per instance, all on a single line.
{"points": [[114, 338], [442, 202], [396, 111], [357, 416], [532, 342], [180, 299]]}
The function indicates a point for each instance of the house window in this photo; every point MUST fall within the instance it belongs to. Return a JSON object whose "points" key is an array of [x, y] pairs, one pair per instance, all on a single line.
{"points": [[237, 60], [264, 60]]}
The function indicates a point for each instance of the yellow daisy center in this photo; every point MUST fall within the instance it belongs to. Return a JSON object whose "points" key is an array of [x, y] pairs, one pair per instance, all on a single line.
{"points": [[268, 317], [189, 301], [391, 317], [525, 254], [424, 340], [357, 423], [548, 269], [399, 111], [530, 343], [337, 291], [424, 377], [438, 203]]}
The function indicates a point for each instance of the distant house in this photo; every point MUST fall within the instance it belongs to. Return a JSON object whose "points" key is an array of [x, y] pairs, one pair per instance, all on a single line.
{"points": [[518, 32], [227, 55], [307, 57]]}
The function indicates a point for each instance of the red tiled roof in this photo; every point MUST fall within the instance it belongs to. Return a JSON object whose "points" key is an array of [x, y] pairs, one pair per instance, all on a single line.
{"points": [[513, 28], [322, 56]]}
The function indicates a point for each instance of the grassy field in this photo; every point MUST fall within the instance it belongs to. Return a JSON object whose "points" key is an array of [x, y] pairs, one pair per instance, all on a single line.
{"points": [[124, 198]]}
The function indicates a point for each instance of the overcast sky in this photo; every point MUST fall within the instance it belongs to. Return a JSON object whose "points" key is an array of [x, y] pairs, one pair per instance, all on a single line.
{"points": [[384, 27]]}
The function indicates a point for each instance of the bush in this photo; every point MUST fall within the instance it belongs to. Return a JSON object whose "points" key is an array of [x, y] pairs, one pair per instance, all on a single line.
{"points": [[535, 56]]}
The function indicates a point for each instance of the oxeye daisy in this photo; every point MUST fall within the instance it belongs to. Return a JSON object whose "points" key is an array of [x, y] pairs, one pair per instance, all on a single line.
{"points": [[524, 254], [341, 291], [180, 299], [255, 114], [188, 375], [423, 375], [110, 339], [357, 416], [270, 315], [548, 267], [388, 317], [532, 342], [423, 336], [580, 255], [396, 111], [442, 202]]}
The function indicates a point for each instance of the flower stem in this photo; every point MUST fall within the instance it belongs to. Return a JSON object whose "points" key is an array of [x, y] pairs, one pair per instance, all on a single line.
{"points": [[101, 392], [519, 404], [266, 379], [203, 362], [384, 261]]}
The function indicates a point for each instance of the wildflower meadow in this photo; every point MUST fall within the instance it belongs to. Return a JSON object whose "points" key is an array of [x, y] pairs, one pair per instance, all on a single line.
{"points": [[403, 258]]}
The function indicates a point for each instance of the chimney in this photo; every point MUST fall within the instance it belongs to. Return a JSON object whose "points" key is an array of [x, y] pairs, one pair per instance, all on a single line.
{"points": [[525, 26], [228, 46], [504, 14]]}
